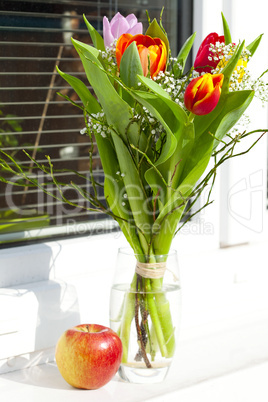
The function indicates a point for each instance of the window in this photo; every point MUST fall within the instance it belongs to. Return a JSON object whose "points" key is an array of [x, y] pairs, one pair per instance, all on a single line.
{"points": [[35, 39]]}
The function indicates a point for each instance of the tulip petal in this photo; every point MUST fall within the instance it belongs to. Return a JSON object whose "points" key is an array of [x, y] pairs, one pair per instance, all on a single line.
{"points": [[117, 18], [217, 79], [202, 62], [107, 34], [208, 103], [121, 46], [136, 29], [206, 86], [155, 54], [131, 20], [119, 26], [163, 59], [190, 93], [154, 61], [161, 62], [150, 49], [115, 21], [203, 93], [213, 37], [142, 40], [144, 55]]}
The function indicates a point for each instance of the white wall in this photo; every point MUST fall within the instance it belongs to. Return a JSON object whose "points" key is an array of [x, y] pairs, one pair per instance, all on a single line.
{"points": [[243, 183]]}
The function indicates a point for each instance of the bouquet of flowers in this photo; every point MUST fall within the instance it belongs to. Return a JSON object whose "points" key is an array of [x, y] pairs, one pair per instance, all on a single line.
{"points": [[157, 127]]}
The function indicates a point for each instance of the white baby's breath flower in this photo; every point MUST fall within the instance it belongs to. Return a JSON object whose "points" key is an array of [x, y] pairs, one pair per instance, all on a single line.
{"points": [[83, 131]]}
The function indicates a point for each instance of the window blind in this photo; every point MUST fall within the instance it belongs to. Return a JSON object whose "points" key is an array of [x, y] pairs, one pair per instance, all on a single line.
{"points": [[35, 38]]}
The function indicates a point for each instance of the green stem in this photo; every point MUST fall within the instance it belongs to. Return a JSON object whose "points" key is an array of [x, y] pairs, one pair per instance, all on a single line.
{"points": [[191, 117], [165, 319], [128, 315], [161, 318], [159, 311], [155, 317]]}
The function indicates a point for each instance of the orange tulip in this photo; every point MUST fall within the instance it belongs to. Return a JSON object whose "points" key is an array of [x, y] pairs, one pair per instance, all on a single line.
{"points": [[203, 93], [152, 52]]}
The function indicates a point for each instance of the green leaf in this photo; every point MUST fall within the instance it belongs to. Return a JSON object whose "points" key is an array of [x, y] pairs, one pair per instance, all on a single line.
{"points": [[236, 105], [180, 134], [13, 222], [135, 193], [114, 189], [184, 52], [226, 30], [155, 31], [89, 101], [130, 66], [153, 86], [172, 114], [175, 121], [262, 74], [163, 113], [96, 38], [14, 124], [179, 158], [252, 47], [233, 106], [118, 115], [230, 67], [228, 102], [166, 223], [117, 111]]}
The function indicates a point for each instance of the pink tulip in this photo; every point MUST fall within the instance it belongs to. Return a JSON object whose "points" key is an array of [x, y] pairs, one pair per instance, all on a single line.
{"points": [[118, 26]]}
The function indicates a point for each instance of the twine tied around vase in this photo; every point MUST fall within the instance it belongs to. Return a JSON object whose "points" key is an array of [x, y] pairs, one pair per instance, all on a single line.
{"points": [[154, 270]]}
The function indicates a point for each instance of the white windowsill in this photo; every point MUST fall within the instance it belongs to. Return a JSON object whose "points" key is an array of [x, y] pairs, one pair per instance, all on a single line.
{"points": [[43, 382], [224, 329]]}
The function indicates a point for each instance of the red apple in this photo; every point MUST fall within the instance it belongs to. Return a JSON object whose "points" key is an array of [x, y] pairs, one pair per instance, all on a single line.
{"points": [[88, 355]]}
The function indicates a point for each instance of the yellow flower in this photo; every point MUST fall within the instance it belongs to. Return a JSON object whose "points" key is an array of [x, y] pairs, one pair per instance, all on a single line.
{"points": [[240, 67]]}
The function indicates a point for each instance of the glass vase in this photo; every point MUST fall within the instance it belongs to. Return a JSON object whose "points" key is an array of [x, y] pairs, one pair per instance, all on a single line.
{"points": [[145, 313]]}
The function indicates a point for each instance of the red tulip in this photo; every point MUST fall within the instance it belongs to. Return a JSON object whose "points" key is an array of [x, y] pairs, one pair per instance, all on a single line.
{"points": [[152, 52], [206, 60], [203, 93]]}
